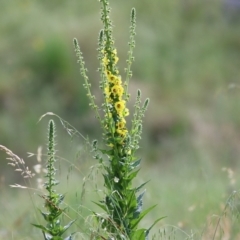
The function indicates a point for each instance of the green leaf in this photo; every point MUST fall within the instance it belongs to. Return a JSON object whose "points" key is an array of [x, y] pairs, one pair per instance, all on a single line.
{"points": [[135, 222], [61, 198], [135, 164], [131, 201], [138, 188], [65, 228], [49, 217], [106, 181], [108, 152], [114, 201], [132, 175], [138, 235], [45, 215], [102, 206], [148, 230], [138, 210], [41, 227]]}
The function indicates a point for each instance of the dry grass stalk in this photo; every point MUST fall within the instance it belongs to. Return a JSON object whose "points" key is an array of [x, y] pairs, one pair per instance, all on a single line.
{"points": [[17, 162]]}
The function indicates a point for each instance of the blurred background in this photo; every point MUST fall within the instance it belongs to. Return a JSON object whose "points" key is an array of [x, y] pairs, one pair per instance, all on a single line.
{"points": [[187, 61]]}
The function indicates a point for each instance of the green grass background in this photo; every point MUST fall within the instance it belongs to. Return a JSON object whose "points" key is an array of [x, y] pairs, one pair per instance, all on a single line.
{"points": [[187, 62]]}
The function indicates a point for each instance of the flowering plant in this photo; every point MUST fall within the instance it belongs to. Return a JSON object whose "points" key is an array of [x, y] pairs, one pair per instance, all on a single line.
{"points": [[122, 202], [53, 230]]}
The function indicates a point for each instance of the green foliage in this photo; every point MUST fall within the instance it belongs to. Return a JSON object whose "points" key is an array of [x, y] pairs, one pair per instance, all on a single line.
{"points": [[53, 230], [187, 47]]}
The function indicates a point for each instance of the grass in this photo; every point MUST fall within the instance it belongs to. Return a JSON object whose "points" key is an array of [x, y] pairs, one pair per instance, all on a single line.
{"points": [[189, 203], [186, 62]]}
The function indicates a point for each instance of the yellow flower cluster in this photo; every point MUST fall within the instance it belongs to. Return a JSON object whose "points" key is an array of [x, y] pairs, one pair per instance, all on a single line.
{"points": [[114, 94]]}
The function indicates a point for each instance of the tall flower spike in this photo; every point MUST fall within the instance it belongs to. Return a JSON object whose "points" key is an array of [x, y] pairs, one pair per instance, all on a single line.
{"points": [[53, 229], [113, 90], [130, 51], [86, 84], [122, 203], [51, 171]]}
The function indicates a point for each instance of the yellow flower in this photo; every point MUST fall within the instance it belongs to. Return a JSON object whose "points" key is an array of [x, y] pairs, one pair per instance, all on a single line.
{"points": [[117, 90], [111, 78], [126, 112], [121, 124], [116, 59], [106, 91], [105, 60], [107, 94], [117, 80], [115, 51], [120, 106], [107, 72], [122, 132]]}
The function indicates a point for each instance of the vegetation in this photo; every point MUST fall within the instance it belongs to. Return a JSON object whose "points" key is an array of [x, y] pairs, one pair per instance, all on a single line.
{"points": [[187, 62]]}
